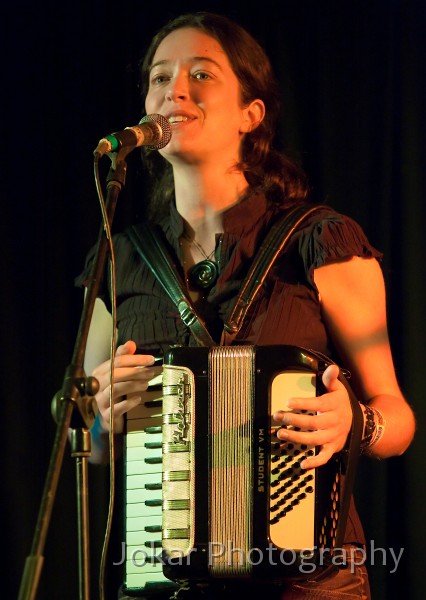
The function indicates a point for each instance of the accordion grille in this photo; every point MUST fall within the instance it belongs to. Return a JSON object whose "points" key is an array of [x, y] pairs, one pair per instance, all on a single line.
{"points": [[231, 414]]}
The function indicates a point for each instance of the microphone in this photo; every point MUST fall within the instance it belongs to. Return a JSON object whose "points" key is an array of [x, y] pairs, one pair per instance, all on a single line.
{"points": [[153, 131]]}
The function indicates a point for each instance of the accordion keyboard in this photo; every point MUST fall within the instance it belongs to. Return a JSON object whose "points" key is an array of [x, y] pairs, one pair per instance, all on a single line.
{"points": [[143, 496]]}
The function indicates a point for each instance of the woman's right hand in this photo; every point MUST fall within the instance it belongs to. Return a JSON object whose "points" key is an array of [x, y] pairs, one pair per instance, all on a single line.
{"points": [[132, 373]]}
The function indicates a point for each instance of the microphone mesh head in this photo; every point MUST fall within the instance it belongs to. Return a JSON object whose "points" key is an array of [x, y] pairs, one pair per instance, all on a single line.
{"points": [[164, 130]]}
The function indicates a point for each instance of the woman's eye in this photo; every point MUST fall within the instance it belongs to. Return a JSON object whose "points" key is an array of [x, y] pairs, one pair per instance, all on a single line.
{"points": [[158, 79], [201, 75]]}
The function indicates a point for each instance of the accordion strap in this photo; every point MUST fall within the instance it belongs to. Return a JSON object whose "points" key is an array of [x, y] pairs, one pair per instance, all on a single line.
{"points": [[350, 459], [274, 243], [151, 247], [349, 455]]}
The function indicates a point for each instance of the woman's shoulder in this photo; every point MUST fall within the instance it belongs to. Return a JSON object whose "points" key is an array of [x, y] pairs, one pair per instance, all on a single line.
{"points": [[327, 234]]}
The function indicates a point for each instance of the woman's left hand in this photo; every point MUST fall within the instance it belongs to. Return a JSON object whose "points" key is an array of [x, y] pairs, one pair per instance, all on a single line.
{"points": [[328, 428]]}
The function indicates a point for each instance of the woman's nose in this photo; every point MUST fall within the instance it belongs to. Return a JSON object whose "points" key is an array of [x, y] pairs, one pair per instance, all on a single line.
{"points": [[177, 89]]}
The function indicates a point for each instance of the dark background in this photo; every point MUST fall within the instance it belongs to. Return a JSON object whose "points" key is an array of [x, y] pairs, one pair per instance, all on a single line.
{"points": [[353, 84]]}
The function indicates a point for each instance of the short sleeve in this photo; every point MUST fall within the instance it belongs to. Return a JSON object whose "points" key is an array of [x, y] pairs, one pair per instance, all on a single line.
{"points": [[332, 238], [132, 275], [83, 279]]}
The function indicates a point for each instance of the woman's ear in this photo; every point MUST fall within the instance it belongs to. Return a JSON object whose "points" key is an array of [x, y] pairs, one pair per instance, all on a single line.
{"points": [[253, 114]]}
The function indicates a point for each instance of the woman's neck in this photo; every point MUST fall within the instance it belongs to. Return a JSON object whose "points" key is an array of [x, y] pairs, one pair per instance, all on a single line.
{"points": [[202, 195]]}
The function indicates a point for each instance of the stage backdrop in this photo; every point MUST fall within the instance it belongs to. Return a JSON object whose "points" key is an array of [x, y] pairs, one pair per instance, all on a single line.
{"points": [[353, 85]]}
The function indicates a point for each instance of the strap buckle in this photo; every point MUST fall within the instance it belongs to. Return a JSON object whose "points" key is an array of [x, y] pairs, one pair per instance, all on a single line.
{"points": [[187, 313]]}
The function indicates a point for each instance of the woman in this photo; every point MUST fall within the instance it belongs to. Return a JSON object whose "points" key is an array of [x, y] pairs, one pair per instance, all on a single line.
{"points": [[221, 187]]}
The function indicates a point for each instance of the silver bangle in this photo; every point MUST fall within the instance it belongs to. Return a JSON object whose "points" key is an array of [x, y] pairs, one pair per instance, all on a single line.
{"points": [[374, 425], [380, 426]]}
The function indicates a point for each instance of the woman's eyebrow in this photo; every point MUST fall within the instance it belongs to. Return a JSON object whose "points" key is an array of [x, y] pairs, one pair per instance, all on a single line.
{"points": [[192, 59]]}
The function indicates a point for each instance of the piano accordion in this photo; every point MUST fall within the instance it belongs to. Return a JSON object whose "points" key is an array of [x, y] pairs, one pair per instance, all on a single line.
{"points": [[234, 500]]}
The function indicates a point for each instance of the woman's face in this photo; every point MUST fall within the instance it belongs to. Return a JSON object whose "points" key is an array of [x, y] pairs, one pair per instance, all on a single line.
{"points": [[192, 84]]}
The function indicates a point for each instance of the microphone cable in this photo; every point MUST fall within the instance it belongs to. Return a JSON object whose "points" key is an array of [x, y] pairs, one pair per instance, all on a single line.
{"points": [[111, 446]]}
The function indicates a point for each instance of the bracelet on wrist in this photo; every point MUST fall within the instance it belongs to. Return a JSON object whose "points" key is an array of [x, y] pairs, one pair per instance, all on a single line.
{"points": [[374, 425]]}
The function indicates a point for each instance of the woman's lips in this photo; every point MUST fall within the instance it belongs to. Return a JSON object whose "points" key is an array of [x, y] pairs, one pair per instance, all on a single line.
{"points": [[179, 117]]}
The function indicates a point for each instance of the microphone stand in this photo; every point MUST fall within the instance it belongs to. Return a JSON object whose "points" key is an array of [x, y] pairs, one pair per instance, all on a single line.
{"points": [[77, 392]]}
